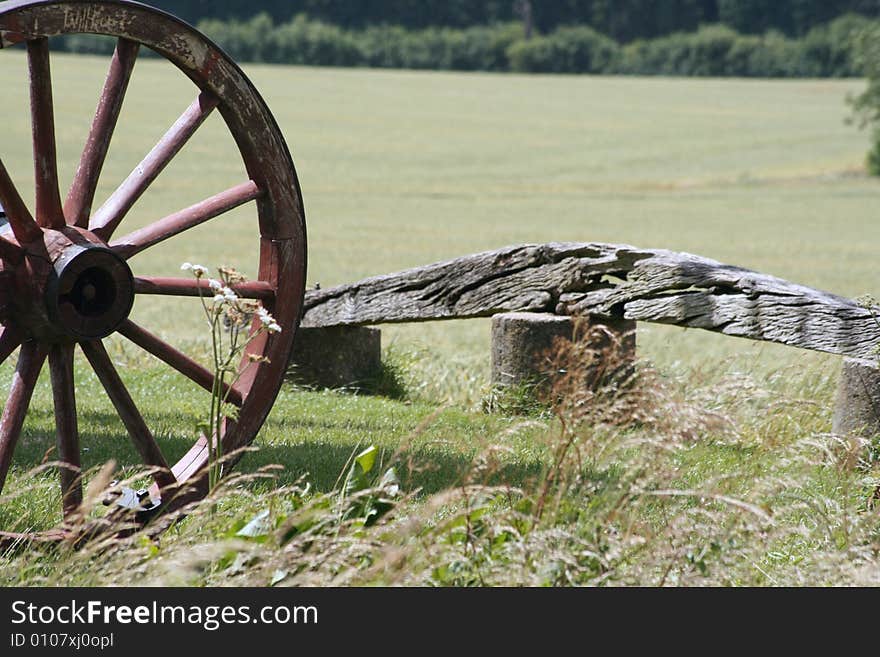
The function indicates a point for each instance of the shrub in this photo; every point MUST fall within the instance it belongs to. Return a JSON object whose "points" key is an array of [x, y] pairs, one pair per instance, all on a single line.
{"points": [[718, 50], [88, 44], [485, 48], [873, 157], [567, 50], [771, 55], [866, 106], [308, 42], [828, 50], [706, 51], [700, 53], [382, 46], [713, 50], [249, 41], [428, 49]]}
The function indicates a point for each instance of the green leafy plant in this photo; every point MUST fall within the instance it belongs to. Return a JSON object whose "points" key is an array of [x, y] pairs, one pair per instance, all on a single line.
{"points": [[365, 495]]}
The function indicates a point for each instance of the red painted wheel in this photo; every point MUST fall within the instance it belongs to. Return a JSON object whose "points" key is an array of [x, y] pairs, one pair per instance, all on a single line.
{"points": [[65, 278]]}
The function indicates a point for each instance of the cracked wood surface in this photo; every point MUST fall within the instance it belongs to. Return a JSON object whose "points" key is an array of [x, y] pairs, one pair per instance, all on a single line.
{"points": [[606, 280]]}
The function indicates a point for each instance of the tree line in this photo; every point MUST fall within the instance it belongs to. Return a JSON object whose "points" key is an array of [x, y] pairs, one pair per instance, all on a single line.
{"points": [[829, 50], [621, 20]]}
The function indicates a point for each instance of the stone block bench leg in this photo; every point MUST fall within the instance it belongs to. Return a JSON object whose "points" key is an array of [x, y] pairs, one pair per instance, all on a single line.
{"points": [[857, 406], [337, 357], [523, 345]]}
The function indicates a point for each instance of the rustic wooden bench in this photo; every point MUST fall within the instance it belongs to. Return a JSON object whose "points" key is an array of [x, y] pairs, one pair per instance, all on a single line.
{"points": [[616, 284]]}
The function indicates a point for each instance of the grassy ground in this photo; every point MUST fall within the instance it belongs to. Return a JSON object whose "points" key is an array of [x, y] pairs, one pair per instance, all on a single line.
{"points": [[400, 169]]}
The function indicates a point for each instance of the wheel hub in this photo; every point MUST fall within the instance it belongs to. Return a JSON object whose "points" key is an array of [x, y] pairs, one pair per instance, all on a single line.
{"points": [[90, 292], [70, 287]]}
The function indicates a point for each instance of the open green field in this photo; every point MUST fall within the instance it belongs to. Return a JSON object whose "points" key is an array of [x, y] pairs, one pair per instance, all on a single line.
{"points": [[402, 168]]}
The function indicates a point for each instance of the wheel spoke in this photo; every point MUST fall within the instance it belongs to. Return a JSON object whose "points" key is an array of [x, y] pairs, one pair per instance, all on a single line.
{"points": [[30, 362], [66, 430], [10, 339], [198, 455], [49, 213], [178, 360], [79, 201], [193, 461], [134, 423], [107, 218], [10, 250], [22, 222], [178, 222], [191, 287]]}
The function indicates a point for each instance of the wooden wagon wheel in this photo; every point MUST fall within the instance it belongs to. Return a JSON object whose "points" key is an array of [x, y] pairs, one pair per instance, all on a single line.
{"points": [[65, 279]]}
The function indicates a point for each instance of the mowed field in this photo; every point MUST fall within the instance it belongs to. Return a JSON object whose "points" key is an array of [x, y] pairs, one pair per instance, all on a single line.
{"points": [[400, 169]]}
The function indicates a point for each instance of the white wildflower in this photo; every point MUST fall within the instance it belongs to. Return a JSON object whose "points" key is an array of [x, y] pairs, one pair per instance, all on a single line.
{"points": [[214, 284], [197, 270], [267, 320], [224, 294]]}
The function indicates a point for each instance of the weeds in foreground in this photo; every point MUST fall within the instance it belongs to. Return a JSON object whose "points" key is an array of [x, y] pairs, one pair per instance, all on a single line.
{"points": [[656, 482]]}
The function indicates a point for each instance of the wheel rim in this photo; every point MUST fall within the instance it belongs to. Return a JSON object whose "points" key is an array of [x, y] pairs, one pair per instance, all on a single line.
{"points": [[65, 278]]}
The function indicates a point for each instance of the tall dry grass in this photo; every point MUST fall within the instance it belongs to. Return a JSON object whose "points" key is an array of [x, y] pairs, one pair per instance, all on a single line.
{"points": [[646, 481]]}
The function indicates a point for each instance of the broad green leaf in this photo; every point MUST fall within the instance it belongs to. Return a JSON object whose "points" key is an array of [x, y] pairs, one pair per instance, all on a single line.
{"points": [[367, 458]]}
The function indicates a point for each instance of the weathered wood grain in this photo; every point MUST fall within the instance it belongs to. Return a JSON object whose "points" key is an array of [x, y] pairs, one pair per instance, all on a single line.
{"points": [[606, 280]]}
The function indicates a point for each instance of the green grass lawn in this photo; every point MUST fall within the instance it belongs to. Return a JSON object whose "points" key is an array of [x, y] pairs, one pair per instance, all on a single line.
{"points": [[403, 168]]}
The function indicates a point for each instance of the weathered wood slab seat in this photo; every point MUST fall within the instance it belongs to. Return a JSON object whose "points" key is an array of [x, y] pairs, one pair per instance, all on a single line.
{"points": [[622, 283], [605, 280]]}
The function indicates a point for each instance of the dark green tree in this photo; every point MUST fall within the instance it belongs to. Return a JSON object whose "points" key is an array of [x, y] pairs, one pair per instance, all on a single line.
{"points": [[623, 20], [866, 106]]}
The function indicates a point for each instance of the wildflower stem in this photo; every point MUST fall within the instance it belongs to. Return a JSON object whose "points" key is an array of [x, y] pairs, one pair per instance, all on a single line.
{"points": [[226, 311]]}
